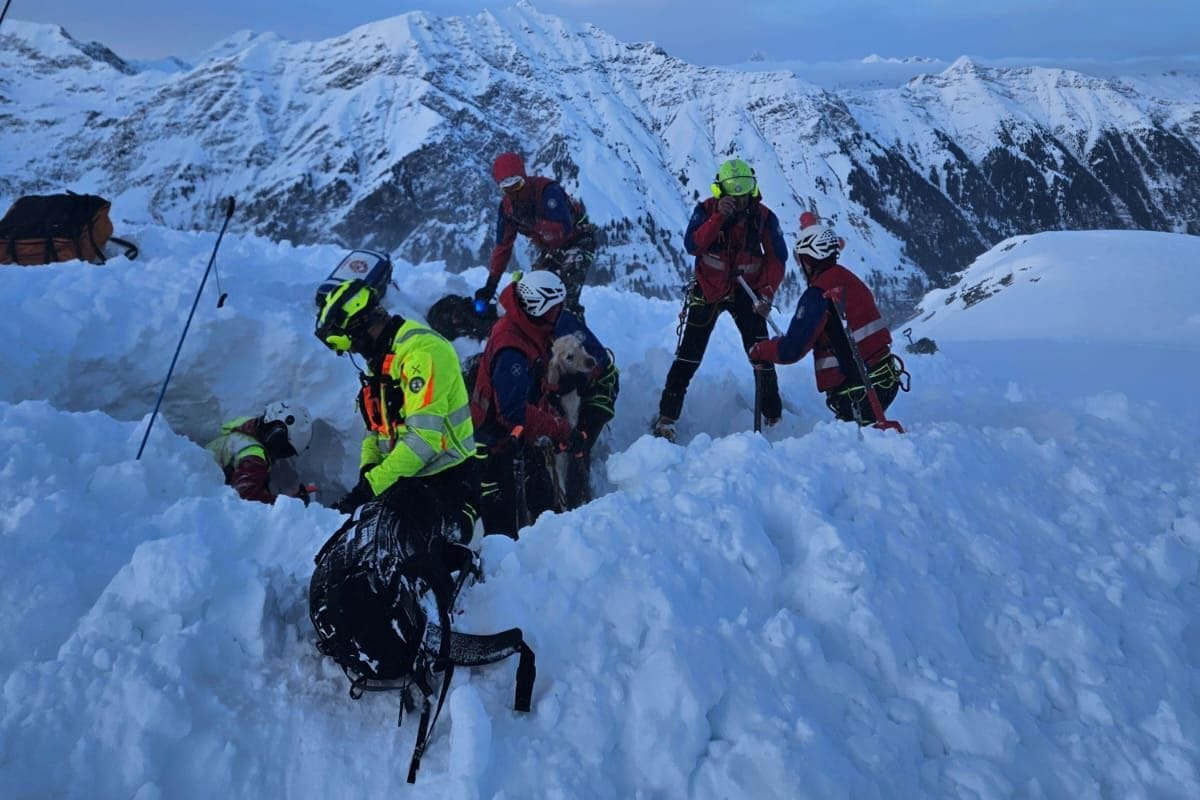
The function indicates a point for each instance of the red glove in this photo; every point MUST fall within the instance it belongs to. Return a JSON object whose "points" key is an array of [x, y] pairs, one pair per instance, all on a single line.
{"points": [[765, 351], [541, 420]]}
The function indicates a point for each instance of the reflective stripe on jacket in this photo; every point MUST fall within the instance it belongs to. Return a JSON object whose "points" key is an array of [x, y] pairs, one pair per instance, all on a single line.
{"points": [[426, 416], [243, 459], [866, 325], [750, 245]]}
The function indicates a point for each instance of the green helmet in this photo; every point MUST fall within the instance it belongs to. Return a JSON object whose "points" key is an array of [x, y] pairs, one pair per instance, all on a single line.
{"points": [[345, 313], [735, 178]]}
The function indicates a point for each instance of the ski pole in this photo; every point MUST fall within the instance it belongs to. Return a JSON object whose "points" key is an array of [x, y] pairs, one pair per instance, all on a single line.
{"points": [[196, 302], [757, 399], [881, 422], [755, 298]]}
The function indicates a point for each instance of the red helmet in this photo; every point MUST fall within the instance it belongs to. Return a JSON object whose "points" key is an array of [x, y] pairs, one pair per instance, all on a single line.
{"points": [[508, 165]]}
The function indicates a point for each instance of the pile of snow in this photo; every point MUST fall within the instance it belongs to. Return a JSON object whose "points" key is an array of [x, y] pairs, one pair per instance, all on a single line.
{"points": [[999, 603]]}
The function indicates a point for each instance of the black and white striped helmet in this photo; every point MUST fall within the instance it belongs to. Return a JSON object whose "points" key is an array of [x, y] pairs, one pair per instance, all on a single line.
{"points": [[819, 242], [540, 291]]}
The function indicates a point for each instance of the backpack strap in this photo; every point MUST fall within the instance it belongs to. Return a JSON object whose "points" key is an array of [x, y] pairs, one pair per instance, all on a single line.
{"points": [[468, 650], [131, 249], [431, 569]]}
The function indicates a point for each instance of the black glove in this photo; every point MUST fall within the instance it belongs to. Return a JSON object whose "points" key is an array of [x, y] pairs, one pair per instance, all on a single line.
{"points": [[361, 493], [484, 296], [577, 443], [727, 206]]}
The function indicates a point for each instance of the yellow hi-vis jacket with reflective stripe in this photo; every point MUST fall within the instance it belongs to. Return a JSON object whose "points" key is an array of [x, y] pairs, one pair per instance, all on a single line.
{"points": [[427, 428]]}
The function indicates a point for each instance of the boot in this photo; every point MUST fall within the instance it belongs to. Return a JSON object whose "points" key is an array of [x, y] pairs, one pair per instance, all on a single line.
{"points": [[664, 428]]}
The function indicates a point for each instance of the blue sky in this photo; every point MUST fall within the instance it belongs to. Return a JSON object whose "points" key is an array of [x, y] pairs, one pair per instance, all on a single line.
{"points": [[700, 31]]}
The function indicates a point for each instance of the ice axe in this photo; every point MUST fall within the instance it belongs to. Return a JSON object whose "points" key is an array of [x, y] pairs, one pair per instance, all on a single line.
{"points": [[834, 295], [754, 298]]}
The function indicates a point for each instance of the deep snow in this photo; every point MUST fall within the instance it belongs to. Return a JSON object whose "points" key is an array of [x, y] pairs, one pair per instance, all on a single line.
{"points": [[1000, 603]]}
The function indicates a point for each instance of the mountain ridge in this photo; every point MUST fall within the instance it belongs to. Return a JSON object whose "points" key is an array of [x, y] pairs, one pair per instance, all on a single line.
{"points": [[383, 136]]}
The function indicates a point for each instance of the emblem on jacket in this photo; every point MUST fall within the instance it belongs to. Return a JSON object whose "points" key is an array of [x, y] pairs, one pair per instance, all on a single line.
{"points": [[416, 385]]}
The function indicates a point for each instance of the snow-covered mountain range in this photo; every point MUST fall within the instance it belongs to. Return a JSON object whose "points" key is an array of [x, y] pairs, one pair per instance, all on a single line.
{"points": [[383, 136]]}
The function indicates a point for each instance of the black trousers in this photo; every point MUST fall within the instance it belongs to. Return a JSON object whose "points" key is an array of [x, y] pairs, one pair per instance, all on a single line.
{"points": [[506, 503], [572, 263], [698, 327], [842, 403], [447, 502]]}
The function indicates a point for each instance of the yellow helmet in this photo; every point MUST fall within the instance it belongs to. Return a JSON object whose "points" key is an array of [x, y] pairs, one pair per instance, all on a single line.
{"points": [[734, 179], [344, 314]]}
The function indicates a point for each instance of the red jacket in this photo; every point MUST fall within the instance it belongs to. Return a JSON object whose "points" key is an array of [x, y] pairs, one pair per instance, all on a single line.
{"points": [[815, 327], [542, 211], [244, 459], [866, 325], [530, 338], [752, 244]]}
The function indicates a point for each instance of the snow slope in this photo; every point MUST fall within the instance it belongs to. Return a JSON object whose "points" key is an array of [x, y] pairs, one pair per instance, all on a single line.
{"points": [[1000, 603]]}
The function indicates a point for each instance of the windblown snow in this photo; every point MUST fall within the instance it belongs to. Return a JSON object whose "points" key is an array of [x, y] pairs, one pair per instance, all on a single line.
{"points": [[999, 603]]}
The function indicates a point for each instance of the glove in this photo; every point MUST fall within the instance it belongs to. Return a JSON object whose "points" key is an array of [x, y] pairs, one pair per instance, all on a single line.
{"points": [[303, 493], [361, 493], [727, 206], [577, 443], [485, 295], [755, 353], [541, 421]]}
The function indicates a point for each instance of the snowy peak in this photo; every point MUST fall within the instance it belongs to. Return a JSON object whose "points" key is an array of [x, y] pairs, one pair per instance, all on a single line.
{"points": [[1073, 286], [383, 137], [52, 48]]}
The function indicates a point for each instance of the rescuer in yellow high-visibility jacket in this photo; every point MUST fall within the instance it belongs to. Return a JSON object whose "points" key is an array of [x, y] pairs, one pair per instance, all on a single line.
{"points": [[418, 454]]}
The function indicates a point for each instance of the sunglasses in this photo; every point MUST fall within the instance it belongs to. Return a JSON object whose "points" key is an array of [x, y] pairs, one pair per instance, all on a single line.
{"points": [[512, 183]]}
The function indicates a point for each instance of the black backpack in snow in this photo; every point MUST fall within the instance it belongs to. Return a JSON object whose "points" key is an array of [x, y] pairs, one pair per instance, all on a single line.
{"points": [[380, 601], [44, 229], [454, 316]]}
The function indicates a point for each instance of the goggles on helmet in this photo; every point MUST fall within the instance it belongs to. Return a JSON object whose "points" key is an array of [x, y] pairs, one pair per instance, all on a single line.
{"points": [[738, 186], [512, 183]]}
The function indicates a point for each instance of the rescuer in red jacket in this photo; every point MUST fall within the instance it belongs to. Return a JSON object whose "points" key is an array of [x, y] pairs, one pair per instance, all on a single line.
{"points": [[557, 224], [816, 327], [733, 236]]}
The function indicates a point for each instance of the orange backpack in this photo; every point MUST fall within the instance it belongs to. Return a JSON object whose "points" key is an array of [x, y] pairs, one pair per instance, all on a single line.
{"points": [[43, 229]]}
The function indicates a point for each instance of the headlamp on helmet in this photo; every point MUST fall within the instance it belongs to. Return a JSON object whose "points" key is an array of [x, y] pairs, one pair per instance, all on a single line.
{"points": [[345, 314]]}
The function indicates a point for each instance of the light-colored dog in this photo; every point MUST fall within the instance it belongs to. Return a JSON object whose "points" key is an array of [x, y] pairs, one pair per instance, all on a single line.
{"points": [[567, 358]]}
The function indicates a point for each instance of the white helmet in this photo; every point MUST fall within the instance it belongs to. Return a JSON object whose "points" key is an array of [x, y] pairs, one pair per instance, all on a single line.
{"points": [[819, 242], [540, 291], [297, 424]]}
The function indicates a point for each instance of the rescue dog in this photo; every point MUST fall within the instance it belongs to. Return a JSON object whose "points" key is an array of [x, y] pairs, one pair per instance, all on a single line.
{"points": [[568, 360]]}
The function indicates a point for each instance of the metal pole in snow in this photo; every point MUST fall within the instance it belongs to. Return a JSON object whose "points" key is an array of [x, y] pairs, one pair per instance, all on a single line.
{"points": [[162, 392]]}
